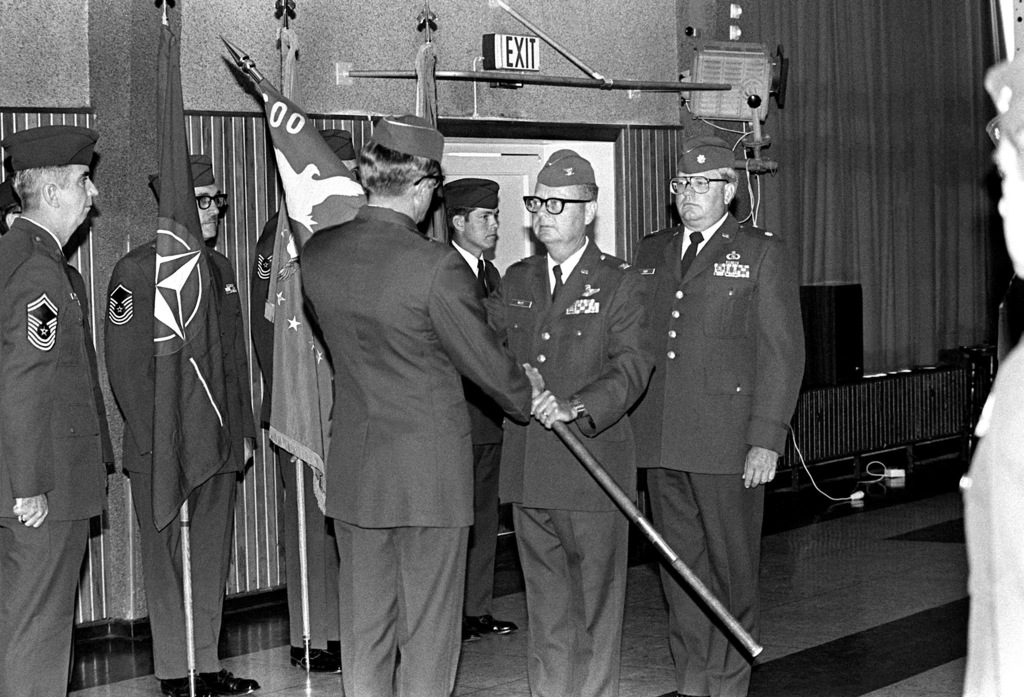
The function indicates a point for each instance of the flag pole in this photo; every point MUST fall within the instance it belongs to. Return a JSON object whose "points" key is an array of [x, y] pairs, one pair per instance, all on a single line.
{"points": [[286, 11], [633, 513], [186, 583]]}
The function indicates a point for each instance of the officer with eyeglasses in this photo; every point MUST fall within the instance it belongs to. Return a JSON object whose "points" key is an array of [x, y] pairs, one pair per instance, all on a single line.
{"points": [[129, 356], [575, 314], [723, 328]]}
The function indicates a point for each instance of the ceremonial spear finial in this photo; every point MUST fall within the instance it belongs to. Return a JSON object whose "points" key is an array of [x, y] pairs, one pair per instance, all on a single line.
{"points": [[427, 21], [243, 61], [284, 10]]}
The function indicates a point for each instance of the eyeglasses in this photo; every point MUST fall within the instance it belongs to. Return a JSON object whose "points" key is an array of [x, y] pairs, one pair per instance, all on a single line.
{"points": [[204, 201], [437, 179], [700, 185], [553, 206]]}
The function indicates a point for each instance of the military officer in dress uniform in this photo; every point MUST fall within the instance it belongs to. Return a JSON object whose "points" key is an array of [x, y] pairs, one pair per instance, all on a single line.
{"points": [[53, 428], [723, 326], [402, 320], [10, 208], [575, 314], [129, 355], [322, 551], [472, 208]]}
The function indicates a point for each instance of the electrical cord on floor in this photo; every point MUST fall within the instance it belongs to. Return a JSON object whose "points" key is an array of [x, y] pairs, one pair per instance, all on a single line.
{"points": [[857, 495]]}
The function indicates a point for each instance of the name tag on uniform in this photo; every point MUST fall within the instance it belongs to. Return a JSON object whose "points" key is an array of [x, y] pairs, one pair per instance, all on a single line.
{"points": [[647, 272], [584, 306], [521, 303]]}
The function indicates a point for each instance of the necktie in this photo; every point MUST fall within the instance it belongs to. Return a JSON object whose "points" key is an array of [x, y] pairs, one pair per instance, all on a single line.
{"points": [[558, 281], [690, 254], [481, 277]]}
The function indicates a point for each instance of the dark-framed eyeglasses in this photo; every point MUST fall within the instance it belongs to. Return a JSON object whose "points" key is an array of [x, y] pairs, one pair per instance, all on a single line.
{"points": [[436, 178], [700, 185], [204, 201], [554, 206]]}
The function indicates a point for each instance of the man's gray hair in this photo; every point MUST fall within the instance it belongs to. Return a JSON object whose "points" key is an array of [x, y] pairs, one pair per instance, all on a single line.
{"points": [[29, 183]]}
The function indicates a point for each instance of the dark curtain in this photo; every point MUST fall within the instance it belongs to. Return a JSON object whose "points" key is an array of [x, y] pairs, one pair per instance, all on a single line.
{"points": [[885, 174]]}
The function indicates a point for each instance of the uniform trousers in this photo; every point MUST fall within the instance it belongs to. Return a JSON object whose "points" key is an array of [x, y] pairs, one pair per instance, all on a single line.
{"points": [[574, 566], [714, 524], [400, 590], [321, 555], [212, 512], [483, 536], [39, 571]]}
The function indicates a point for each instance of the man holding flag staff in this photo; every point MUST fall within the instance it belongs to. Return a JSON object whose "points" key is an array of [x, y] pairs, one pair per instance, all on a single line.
{"points": [[401, 317], [53, 427], [129, 351]]}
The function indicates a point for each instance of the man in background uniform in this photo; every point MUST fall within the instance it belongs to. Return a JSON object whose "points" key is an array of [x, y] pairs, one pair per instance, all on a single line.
{"points": [[724, 329], [10, 208], [53, 427], [130, 366], [472, 209], [575, 314], [322, 550], [402, 320]]}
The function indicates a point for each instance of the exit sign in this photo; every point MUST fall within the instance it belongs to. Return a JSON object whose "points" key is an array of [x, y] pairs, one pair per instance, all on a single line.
{"points": [[511, 52]]}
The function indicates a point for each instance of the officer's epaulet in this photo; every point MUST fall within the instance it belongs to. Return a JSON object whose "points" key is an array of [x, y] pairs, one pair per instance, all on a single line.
{"points": [[665, 231], [613, 262]]}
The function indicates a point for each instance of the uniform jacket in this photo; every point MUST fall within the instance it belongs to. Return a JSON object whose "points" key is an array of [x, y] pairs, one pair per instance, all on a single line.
{"points": [[53, 426], [261, 328], [485, 416], [586, 344], [401, 318], [130, 360], [727, 345]]}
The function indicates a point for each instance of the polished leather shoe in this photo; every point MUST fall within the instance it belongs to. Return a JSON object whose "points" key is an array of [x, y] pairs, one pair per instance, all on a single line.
{"points": [[178, 687], [468, 633], [224, 683], [485, 624], [320, 661]]}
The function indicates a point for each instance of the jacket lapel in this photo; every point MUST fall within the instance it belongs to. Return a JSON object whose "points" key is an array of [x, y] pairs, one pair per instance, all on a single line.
{"points": [[582, 274]]}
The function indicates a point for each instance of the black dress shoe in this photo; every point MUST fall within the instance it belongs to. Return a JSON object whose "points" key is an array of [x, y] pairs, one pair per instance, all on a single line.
{"points": [[468, 633], [178, 687], [320, 661], [485, 624], [224, 683]]}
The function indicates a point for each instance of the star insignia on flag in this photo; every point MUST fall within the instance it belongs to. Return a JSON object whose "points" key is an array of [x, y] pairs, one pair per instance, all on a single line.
{"points": [[174, 273], [280, 298], [294, 323]]}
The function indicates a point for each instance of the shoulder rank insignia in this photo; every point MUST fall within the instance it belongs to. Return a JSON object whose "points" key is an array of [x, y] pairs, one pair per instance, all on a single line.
{"points": [[624, 265], [521, 303], [768, 234], [589, 290], [42, 323], [263, 265], [647, 272], [119, 306], [230, 288], [584, 307]]}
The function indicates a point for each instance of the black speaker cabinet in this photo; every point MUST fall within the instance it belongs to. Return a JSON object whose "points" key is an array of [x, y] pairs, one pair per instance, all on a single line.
{"points": [[833, 333]]}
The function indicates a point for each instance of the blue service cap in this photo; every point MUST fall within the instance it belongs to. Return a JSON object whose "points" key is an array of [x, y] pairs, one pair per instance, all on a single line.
{"points": [[410, 135], [471, 193], [704, 153], [566, 168], [50, 146]]}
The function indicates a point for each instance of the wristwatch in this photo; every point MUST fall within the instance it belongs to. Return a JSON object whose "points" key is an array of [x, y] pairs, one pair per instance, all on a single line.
{"points": [[578, 409]]}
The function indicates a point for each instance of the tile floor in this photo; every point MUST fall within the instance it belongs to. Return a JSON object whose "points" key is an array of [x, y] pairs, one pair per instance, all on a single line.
{"points": [[856, 601]]}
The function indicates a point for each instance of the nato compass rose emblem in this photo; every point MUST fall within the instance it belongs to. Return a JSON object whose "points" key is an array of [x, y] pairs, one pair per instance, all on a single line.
{"points": [[179, 292]]}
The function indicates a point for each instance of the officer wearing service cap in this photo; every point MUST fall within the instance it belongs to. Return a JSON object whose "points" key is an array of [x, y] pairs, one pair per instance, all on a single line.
{"points": [[471, 205], [724, 329], [322, 552], [54, 442], [575, 313], [129, 356], [401, 318], [10, 207]]}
